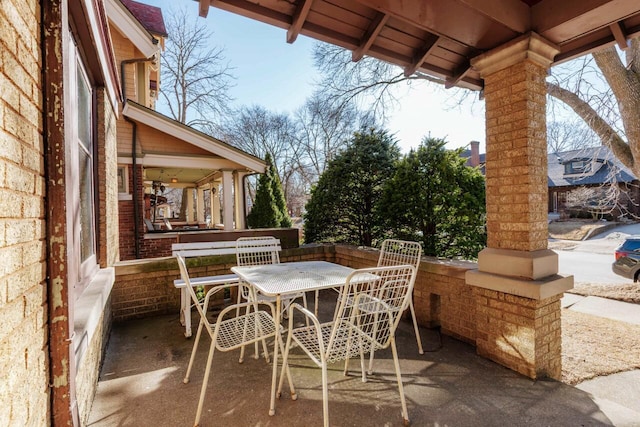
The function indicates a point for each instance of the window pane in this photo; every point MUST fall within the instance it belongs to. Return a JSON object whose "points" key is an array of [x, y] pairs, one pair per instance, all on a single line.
{"points": [[85, 165], [84, 113], [87, 241]]}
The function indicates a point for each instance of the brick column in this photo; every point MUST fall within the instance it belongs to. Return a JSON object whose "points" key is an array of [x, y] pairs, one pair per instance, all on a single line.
{"points": [[517, 300]]}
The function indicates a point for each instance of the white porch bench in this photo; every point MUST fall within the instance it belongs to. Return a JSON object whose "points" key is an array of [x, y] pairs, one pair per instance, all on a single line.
{"points": [[199, 249]]}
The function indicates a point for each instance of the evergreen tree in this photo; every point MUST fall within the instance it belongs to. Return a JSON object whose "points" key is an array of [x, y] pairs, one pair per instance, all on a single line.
{"points": [[264, 213], [270, 207], [284, 220], [343, 205], [433, 197]]}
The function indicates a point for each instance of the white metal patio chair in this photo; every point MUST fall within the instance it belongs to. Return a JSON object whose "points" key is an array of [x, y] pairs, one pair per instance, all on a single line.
{"points": [[368, 313], [260, 250], [400, 252], [231, 330]]}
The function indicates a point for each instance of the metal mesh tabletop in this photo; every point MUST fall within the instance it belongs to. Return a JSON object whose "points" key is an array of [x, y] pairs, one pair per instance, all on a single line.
{"points": [[292, 277]]}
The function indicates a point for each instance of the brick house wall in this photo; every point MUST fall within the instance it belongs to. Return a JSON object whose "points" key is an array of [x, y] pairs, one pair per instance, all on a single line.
{"points": [[24, 391]]}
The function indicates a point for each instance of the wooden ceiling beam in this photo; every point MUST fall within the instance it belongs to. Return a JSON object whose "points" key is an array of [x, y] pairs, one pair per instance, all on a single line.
{"points": [[619, 33], [254, 11], [299, 16], [370, 35], [573, 17], [513, 14], [422, 55]]}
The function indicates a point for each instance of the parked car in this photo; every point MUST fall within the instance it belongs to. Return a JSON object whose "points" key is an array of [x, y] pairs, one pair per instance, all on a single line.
{"points": [[627, 263]]}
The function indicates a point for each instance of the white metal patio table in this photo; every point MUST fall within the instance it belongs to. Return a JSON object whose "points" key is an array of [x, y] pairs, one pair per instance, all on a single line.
{"points": [[290, 278]]}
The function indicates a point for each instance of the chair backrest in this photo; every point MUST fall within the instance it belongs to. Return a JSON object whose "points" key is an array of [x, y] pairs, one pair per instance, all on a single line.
{"points": [[258, 250], [369, 309], [400, 252]]}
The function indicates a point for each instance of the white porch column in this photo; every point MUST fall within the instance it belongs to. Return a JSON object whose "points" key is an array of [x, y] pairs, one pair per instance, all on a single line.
{"points": [[241, 223], [227, 199], [215, 204], [200, 205], [189, 212]]}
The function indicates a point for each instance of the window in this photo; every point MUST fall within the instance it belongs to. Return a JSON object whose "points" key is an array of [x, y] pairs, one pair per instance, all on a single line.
{"points": [[123, 179], [577, 166], [81, 172]]}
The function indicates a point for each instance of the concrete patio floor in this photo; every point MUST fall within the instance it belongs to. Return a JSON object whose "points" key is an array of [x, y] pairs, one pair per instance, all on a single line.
{"points": [[141, 385]]}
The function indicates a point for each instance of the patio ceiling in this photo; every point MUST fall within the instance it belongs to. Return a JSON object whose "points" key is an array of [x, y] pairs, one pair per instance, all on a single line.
{"points": [[440, 37], [182, 176]]}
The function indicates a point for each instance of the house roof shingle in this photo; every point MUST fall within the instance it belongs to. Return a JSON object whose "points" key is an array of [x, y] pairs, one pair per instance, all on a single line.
{"points": [[607, 168], [149, 16]]}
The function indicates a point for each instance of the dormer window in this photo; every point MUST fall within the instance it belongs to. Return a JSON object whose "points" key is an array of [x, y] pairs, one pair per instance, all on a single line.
{"points": [[580, 166]]}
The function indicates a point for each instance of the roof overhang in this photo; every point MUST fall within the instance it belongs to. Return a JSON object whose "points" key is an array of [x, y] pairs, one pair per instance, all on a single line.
{"points": [[231, 156], [130, 27], [441, 37]]}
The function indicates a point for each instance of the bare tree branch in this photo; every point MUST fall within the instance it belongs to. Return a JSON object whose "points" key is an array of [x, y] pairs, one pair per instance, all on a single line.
{"points": [[195, 77], [605, 132]]}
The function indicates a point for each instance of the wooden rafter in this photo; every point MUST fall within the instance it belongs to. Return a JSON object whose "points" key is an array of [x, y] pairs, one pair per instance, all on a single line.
{"points": [[619, 34], [422, 55], [458, 75], [300, 15], [203, 8], [370, 35]]}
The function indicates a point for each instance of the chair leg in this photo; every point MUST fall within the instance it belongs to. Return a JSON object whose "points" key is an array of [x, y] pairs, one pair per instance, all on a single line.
{"points": [[405, 413], [193, 351], [187, 316], [205, 380], [304, 300], [415, 326], [371, 355], [325, 395], [239, 300], [183, 302], [315, 307], [285, 365]]}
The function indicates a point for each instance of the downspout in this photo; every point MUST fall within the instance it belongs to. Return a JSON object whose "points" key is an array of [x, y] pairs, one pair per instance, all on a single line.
{"points": [[134, 156]]}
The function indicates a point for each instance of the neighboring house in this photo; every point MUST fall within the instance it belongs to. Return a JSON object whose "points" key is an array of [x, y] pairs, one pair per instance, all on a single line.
{"points": [[473, 156], [592, 169], [157, 153]]}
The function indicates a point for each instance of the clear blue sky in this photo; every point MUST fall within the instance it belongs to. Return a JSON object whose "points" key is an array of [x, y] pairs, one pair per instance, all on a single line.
{"points": [[280, 76]]}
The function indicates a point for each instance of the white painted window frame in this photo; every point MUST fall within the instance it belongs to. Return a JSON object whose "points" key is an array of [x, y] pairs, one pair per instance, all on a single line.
{"points": [[81, 272]]}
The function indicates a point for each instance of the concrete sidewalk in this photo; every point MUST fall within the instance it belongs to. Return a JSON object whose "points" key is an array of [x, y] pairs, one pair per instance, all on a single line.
{"points": [[603, 307], [141, 385]]}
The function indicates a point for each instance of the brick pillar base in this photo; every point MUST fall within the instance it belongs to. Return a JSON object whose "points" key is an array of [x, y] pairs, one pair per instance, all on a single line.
{"points": [[520, 333]]}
